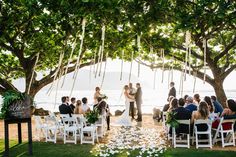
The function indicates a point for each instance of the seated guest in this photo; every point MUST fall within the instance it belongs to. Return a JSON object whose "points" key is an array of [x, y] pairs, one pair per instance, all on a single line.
{"points": [[85, 107], [201, 113], [67, 100], [78, 108], [72, 105], [182, 114], [196, 98], [185, 98], [217, 105], [231, 108], [190, 105], [173, 105], [103, 109], [64, 108], [167, 106], [212, 114]]}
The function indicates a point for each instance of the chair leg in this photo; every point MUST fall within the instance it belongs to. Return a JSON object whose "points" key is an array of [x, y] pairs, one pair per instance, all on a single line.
{"points": [[233, 138], [222, 139], [188, 138], [210, 140], [196, 140]]}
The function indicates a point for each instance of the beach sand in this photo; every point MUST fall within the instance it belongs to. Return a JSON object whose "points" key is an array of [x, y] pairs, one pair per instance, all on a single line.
{"points": [[147, 122]]}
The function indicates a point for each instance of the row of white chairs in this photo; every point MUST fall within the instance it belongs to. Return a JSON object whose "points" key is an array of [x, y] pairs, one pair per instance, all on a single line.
{"points": [[75, 126], [226, 136]]}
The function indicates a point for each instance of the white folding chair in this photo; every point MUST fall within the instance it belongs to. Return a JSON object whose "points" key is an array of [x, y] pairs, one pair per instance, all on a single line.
{"points": [[101, 125], [180, 142], [207, 132], [70, 126], [90, 130], [51, 129], [223, 134], [40, 127]]}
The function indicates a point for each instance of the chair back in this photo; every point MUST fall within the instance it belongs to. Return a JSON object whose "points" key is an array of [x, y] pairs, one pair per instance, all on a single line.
{"points": [[207, 122]]}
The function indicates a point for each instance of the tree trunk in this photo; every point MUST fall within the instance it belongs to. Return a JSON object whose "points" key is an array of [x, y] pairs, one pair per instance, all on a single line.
{"points": [[219, 91]]}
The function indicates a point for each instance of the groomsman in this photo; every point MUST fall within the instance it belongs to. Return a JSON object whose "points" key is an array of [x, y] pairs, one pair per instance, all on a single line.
{"points": [[139, 101], [132, 92], [172, 91]]}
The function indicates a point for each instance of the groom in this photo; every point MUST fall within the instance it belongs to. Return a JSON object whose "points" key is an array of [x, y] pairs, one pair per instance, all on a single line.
{"points": [[139, 101]]}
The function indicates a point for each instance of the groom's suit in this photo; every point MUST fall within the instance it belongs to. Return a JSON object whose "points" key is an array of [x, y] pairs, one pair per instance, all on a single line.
{"points": [[139, 101]]}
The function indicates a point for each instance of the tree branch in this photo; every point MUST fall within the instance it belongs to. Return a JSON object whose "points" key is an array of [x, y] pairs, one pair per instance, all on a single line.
{"points": [[227, 72], [226, 50], [7, 85]]}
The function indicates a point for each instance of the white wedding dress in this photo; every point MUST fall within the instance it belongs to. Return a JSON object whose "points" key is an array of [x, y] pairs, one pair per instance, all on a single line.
{"points": [[124, 119]]}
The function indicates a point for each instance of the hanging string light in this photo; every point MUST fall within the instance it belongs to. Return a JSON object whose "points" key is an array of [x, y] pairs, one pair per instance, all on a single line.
{"points": [[122, 64], [204, 59], [94, 63], [187, 45], [32, 76], [154, 80], [163, 64], [102, 50]]}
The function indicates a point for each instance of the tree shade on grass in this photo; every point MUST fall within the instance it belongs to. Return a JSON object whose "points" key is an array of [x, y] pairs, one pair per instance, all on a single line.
{"points": [[42, 149]]}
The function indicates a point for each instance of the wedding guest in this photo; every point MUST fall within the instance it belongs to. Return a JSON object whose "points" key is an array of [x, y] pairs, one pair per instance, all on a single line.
{"points": [[182, 114], [67, 100], [172, 91], [231, 108], [167, 106], [211, 108], [185, 97], [190, 105], [196, 98], [132, 92], [103, 109], [64, 107], [217, 105], [85, 107], [173, 105], [78, 108], [72, 105], [201, 113], [97, 94]]}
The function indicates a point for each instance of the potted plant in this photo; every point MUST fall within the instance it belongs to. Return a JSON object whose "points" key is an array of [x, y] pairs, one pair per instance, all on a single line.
{"points": [[92, 116], [15, 105], [170, 120]]}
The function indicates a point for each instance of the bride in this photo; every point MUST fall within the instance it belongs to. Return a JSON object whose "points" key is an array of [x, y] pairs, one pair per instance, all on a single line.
{"points": [[124, 119]]}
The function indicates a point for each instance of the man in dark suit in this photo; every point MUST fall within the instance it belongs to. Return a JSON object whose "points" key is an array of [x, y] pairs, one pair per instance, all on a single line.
{"points": [[172, 91], [139, 101], [64, 108], [182, 114], [72, 105]]}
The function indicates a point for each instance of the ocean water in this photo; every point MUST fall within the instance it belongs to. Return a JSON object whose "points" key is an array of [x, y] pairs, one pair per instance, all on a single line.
{"points": [[151, 98]]}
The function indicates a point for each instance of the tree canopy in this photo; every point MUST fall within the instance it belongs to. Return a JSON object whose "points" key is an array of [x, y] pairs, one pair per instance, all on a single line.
{"points": [[52, 28]]}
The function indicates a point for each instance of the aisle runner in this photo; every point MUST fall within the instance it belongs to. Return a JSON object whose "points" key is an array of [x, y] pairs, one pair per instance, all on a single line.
{"points": [[148, 142]]}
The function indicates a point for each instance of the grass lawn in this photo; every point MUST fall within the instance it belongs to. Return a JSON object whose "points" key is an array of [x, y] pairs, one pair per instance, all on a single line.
{"points": [[42, 149]]}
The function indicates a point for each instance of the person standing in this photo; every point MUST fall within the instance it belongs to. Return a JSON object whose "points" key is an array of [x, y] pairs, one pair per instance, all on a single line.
{"points": [[72, 105], [172, 91], [64, 108], [139, 101], [132, 92]]}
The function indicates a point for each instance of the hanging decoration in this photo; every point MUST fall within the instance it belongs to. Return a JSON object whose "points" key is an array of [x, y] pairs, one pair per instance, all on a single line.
{"points": [[187, 55], [163, 64], [77, 66], [90, 71], [70, 58], [32, 76], [154, 80], [195, 79], [94, 63], [122, 64], [102, 50], [204, 59], [104, 72], [99, 56], [131, 65], [138, 46], [169, 76], [80, 50], [181, 86], [56, 73]]}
